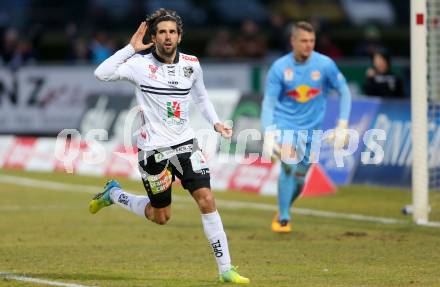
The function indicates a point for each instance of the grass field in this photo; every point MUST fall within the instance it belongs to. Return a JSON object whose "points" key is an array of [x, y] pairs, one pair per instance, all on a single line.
{"points": [[47, 233]]}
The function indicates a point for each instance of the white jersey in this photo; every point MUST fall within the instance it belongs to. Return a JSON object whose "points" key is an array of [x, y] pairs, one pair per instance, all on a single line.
{"points": [[163, 92]]}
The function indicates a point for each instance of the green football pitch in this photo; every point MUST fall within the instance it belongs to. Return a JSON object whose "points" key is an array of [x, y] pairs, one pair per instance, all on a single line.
{"points": [[356, 237]]}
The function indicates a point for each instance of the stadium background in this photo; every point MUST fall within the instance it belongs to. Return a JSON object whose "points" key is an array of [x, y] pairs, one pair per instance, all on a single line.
{"points": [[50, 48], [356, 236]]}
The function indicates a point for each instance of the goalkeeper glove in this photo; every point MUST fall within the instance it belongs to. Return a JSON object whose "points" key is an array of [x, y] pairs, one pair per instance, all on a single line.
{"points": [[270, 146], [339, 137], [273, 150]]}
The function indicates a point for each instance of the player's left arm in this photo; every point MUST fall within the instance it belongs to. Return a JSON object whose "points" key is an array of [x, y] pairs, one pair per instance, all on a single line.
{"points": [[337, 80], [272, 91], [201, 99], [339, 137]]}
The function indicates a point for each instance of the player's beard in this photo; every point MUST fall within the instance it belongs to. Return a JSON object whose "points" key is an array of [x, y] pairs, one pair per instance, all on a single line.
{"points": [[303, 57], [166, 52]]}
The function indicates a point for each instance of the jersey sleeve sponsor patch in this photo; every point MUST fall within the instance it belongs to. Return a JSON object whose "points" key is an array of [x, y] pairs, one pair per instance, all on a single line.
{"points": [[190, 58]]}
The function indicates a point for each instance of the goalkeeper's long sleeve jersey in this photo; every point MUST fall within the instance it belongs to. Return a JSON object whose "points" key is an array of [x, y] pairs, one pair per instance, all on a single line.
{"points": [[295, 94]]}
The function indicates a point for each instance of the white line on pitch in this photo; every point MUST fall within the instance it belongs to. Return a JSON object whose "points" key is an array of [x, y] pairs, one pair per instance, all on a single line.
{"points": [[24, 181], [38, 281], [15, 207]]}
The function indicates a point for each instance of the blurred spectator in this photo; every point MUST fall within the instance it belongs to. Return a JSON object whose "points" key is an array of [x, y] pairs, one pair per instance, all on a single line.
{"points": [[9, 44], [42, 22], [234, 11], [370, 43], [221, 45], [278, 34], [250, 42], [327, 47], [100, 48], [291, 10], [361, 12], [78, 48], [380, 80], [24, 53], [16, 51], [80, 51]]}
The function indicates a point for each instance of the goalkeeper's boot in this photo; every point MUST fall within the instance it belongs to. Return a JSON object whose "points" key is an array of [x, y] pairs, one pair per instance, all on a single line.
{"points": [[103, 199], [232, 276], [282, 226]]}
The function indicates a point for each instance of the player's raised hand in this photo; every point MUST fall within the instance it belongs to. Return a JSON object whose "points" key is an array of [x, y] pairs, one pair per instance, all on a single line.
{"points": [[223, 129], [138, 37]]}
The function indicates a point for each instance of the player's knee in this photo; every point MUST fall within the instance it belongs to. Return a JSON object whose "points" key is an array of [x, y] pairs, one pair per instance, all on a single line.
{"points": [[300, 178], [161, 217], [161, 220], [206, 201], [301, 172]]}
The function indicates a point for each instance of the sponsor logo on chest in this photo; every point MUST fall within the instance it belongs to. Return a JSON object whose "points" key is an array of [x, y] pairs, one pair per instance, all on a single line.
{"points": [[173, 109], [188, 71], [303, 93], [288, 75], [153, 71], [315, 75], [173, 114]]}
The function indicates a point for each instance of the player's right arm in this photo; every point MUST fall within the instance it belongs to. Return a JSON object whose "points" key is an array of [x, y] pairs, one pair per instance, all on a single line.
{"points": [[115, 67], [272, 91]]}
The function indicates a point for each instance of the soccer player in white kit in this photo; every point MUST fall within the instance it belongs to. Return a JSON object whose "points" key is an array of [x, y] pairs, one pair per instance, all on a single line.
{"points": [[165, 79]]}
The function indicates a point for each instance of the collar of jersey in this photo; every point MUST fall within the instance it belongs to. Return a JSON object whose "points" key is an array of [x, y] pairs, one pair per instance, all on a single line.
{"points": [[176, 59], [295, 62]]}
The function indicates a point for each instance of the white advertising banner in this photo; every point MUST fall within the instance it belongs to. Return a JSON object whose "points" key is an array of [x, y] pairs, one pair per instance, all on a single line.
{"points": [[110, 159], [48, 99]]}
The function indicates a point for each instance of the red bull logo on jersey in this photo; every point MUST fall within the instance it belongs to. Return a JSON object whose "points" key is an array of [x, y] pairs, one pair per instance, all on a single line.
{"points": [[303, 93]]}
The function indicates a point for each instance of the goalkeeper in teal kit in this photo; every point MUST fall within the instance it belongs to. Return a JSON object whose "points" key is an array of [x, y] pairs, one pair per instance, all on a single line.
{"points": [[293, 107]]}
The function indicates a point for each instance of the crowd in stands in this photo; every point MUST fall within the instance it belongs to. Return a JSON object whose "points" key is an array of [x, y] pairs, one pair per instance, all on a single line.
{"points": [[89, 31], [250, 41]]}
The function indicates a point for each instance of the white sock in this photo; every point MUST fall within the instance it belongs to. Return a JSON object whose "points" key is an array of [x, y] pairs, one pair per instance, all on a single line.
{"points": [[131, 202], [213, 226]]}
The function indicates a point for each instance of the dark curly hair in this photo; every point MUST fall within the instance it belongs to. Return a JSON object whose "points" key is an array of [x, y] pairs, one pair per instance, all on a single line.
{"points": [[163, 15]]}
